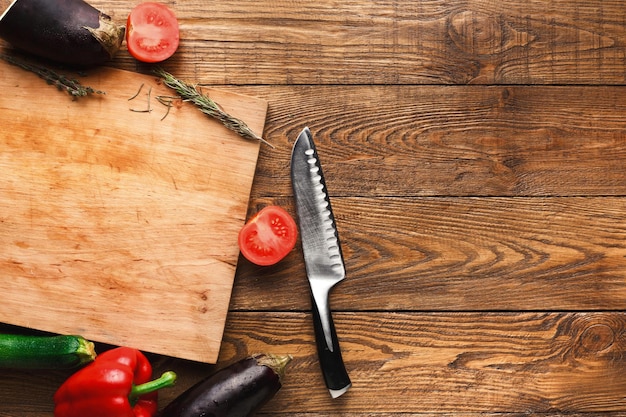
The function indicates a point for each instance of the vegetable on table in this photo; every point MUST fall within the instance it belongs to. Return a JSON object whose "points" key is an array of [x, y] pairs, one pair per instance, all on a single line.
{"points": [[67, 31], [268, 236], [152, 33], [44, 352], [117, 384], [238, 390]]}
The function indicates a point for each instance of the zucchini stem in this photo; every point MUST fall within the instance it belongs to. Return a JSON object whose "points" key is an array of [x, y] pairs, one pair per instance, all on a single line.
{"points": [[86, 351]]}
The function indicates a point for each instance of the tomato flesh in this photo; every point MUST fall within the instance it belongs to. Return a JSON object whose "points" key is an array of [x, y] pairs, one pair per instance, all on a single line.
{"points": [[268, 236], [152, 33]]}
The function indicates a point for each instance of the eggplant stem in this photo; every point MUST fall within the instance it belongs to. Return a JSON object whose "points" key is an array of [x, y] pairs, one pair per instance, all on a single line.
{"points": [[277, 363], [108, 34]]}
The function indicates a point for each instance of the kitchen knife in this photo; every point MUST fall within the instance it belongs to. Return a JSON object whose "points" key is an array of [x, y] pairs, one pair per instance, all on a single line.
{"points": [[322, 255]]}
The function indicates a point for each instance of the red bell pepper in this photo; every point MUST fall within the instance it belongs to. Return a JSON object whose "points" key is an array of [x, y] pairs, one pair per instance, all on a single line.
{"points": [[116, 384]]}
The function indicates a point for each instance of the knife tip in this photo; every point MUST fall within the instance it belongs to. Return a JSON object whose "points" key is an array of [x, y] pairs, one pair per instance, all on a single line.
{"points": [[305, 137]]}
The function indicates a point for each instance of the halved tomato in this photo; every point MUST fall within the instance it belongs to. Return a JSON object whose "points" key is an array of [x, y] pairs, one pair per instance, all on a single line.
{"points": [[152, 33], [268, 236]]}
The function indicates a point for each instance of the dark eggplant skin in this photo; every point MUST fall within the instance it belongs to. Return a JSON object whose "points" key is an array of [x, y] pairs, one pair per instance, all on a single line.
{"points": [[70, 32], [238, 390]]}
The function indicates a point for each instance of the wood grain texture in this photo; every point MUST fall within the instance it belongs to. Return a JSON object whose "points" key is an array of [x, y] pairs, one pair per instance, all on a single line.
{"points": [[474, 152], [452, 362], [419, 363], [103, 208], [394, 42], [461, 254], [450, 141]]}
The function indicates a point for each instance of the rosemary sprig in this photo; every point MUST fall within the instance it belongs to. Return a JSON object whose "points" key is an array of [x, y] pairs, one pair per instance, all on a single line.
{"points": [[167, 101], [190, 93], [70, 85], [147, 109]]}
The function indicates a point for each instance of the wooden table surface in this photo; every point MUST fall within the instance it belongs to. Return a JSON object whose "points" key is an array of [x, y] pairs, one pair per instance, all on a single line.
{"points": [[475, 155]]}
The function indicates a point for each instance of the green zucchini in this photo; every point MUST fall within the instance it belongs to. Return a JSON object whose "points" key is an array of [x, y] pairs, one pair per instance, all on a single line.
{"points": [[19, 351]]}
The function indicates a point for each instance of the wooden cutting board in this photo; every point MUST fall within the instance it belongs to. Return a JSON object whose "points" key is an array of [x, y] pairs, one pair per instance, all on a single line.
{"points": [[121, 225]]}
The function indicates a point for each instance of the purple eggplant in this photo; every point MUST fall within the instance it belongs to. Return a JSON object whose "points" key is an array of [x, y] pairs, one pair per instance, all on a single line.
{"points": [[71, 32], [238, 390]]}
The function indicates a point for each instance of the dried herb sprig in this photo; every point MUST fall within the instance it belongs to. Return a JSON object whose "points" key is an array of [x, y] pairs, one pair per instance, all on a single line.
{"points": [[147, 109], [168, 101], [191, 93], [70, 85]]}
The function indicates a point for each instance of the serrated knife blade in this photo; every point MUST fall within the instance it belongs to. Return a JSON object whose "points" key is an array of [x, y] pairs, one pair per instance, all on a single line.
{"points": [[322, 255]]}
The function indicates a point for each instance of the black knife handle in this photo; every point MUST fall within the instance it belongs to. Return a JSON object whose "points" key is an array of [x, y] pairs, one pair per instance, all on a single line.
{"points": [[334, 370]]}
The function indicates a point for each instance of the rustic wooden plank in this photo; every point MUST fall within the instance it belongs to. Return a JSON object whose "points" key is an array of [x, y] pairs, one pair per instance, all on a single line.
{"points": [[393, 414], [454, 141], [398, 414], [416, 363], [450, 141], [456, 414], [446, 362], [448, 198], [460, 254], [391, 42]]}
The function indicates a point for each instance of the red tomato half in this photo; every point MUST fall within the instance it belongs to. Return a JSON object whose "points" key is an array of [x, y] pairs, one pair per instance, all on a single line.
{"points": [[152, 33], [268, 236]]}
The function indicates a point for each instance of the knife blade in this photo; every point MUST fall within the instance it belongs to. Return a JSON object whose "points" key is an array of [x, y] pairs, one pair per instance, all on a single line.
{"points": [[322, 256]]}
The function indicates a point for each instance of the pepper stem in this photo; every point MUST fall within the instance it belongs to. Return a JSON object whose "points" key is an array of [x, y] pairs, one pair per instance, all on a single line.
{"points": [[166, 380]]}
